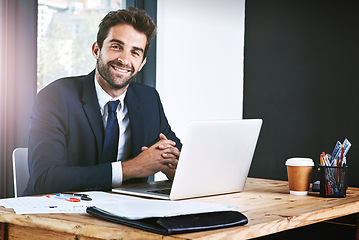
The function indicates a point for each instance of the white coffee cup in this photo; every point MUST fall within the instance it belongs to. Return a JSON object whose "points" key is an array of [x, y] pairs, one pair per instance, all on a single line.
{"points": [[299, 171]]}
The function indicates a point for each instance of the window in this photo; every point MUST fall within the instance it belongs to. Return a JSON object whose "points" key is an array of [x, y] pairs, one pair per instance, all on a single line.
{"points": [[66, 32]]}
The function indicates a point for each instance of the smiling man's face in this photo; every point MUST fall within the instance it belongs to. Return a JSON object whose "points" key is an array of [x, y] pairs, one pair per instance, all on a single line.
{"points": [[120, 58]]}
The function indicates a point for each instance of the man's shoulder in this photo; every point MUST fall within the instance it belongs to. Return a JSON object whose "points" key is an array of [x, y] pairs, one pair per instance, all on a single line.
{"points": [[142, 92], [68, 84], [141, 89]]}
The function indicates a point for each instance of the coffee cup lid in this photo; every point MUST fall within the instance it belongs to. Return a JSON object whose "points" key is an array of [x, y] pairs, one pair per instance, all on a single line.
{"points": [[297, 161]]}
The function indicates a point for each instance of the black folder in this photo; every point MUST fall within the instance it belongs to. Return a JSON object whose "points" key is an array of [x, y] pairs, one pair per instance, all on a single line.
{"points": [[177, 224]]}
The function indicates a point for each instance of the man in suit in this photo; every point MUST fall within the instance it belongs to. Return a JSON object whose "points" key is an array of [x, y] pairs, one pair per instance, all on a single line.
{"points": [[68, 142]]}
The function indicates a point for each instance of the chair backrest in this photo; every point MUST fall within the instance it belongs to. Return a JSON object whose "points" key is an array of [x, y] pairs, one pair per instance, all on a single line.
{"points": [[20, 170]]}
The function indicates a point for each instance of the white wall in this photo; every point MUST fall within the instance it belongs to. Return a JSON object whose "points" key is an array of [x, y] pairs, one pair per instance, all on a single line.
{"points": [[200, 47]]}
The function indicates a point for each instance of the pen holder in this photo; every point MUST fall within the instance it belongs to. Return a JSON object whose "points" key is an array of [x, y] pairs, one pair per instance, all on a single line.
{"points": [[333, 181]]}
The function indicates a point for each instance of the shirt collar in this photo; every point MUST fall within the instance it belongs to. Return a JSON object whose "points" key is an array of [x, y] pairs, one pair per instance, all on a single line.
{"points": [[103, 97]]}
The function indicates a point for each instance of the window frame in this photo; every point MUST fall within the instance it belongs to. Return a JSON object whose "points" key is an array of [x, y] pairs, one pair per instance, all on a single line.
{"points": [[147, 75]]}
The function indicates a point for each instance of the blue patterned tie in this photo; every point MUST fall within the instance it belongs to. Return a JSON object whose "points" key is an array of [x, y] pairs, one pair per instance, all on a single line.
{"points": [[110, 145]]}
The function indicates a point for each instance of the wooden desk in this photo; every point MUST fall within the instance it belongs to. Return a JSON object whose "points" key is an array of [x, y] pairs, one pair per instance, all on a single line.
{"points": [[267, 204]]}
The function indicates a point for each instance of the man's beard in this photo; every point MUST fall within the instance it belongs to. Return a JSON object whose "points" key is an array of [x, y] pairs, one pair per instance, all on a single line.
{"points": [[105, 73]]}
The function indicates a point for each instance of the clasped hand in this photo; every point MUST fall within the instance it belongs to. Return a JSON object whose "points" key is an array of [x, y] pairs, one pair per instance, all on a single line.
{"points": [[162, 156]]}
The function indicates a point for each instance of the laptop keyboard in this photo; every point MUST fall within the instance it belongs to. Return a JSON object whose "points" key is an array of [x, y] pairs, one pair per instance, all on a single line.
{"points": [[165, 191]]}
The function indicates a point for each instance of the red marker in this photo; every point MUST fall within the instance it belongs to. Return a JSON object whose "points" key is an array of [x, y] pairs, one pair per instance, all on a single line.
{"points": [[73, 200]]}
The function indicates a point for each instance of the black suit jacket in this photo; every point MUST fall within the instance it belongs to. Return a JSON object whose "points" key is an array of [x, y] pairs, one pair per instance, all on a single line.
{"points": [[66, 134]]}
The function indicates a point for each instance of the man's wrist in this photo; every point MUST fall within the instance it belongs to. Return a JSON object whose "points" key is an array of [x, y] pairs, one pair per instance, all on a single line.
{"points": [[117, 176]]}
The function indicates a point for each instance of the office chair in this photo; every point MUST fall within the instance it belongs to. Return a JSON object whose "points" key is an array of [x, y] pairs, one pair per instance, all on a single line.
{"points": [[20, 170]]}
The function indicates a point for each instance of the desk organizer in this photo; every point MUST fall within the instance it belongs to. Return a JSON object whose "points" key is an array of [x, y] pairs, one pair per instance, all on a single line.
{"points": [[333, 181]]}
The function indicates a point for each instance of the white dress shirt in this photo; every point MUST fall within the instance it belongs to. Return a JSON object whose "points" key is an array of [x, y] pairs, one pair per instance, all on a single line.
{"points": [[124, 143]]}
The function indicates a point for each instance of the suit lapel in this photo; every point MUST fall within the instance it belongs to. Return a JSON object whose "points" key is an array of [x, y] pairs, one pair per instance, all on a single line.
{"points": [[92, 110], [136, 121]]}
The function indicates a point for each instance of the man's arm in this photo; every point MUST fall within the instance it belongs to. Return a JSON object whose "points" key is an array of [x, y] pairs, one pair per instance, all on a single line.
{"points": [[156, 147], [63, 150]]}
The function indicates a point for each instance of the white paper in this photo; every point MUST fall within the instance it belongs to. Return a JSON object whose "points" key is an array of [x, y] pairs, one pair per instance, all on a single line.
{"points": [[125, 206], [35, 205], [144, 208]]}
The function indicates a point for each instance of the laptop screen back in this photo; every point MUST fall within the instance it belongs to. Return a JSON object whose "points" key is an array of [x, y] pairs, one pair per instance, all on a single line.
{"points": [[215, 158]]}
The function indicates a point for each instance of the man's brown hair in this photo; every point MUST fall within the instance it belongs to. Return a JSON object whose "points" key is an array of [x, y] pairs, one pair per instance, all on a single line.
{"points": [[135, 17]]}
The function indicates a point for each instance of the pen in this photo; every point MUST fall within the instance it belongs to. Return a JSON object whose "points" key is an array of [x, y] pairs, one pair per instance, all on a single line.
{"points": [[341, 156], [321, 159], [82, 196], [67, 198]]}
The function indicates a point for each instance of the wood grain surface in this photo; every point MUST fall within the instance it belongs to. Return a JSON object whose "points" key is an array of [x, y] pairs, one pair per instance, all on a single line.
{"points": [[267, 204]]}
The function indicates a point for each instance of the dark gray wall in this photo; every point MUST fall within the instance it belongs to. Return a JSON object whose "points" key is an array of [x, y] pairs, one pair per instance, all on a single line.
{"points": [[301, 77]]}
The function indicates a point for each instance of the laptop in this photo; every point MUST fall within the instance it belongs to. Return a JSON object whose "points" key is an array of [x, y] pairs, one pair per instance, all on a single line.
{"points": [[215, 159]]}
